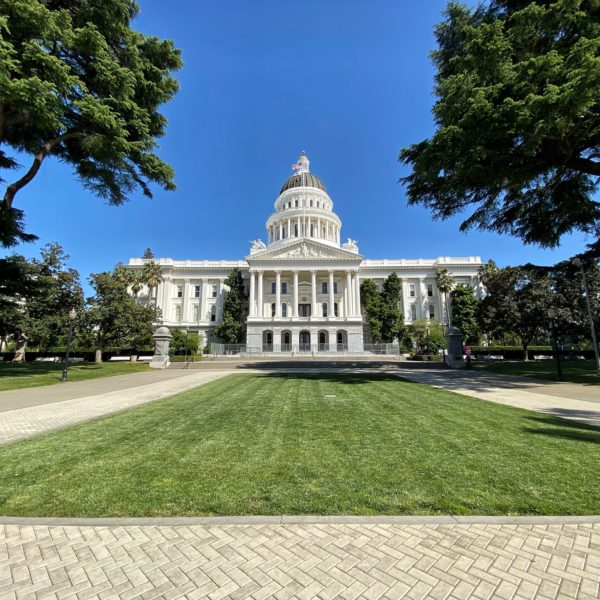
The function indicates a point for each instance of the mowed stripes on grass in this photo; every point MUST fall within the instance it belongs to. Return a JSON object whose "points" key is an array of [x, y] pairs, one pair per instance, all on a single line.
{"points": [[295, 443]]}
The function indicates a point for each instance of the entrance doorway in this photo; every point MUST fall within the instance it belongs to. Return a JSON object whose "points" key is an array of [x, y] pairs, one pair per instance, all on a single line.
{"points": [[267, 341], [304, 341], [323, 341], [286, 341]]}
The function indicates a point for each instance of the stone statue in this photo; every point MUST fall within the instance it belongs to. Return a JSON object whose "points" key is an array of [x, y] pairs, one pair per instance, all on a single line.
{"points": [[257, 245], [350, 245], [21, 348]]}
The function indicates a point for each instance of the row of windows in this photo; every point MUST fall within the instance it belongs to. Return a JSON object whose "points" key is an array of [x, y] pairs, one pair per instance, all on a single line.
{"points": [[307, 204], [214, 291], [412, 290], [284, 287], [301, 230], [413, 312], [304, 310], [195, 313]]}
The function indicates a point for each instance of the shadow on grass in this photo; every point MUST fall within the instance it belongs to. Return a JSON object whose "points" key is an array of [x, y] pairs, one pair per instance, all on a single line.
{"points": [[320, 363], [41, 368], [569, 430], [349, 377]]}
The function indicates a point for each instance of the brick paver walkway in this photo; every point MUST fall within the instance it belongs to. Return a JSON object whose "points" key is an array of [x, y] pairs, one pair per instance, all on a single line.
{"points": [[293, 560]]}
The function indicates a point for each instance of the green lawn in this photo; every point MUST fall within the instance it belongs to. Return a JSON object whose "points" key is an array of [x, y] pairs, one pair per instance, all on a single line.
{"points": [[14, 375], [307, 443], [577, 371]]}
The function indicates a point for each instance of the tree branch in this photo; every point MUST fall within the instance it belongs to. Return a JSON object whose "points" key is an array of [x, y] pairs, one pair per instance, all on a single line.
{"points": [[585, 165], [38, 159]]}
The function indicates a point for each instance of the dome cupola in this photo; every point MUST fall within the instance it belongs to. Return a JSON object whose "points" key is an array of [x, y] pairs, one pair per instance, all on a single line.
{"points": [[303, 209]]}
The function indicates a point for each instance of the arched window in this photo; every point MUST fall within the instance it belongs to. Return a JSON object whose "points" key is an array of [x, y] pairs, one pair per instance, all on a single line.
{"points": [[296, 203], [283, 309], [273, 309], [335, 309], [311, 203], [324, 306], [318, 204]]}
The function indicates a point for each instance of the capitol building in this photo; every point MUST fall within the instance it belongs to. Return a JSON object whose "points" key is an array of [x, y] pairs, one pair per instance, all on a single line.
{"points": [[303, 282]]}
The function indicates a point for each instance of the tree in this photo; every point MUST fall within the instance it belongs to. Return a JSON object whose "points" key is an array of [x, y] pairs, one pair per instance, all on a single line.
{"points": [[518, 120], [113, 317], [148, 253], [370, 300], [79, 84], [382, 309], [392, 319], [45, 317], [427, 337], [517, 301], [464, 309], [151, 276], [445, 284], [232, 330]]}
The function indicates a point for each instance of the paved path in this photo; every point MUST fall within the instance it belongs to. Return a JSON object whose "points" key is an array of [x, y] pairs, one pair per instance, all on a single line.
{"points": [[96, 398], [575, 401], [370, 559]]}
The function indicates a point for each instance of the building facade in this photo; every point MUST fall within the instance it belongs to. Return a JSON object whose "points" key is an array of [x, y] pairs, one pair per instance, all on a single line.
{"points": [[304, 282]]}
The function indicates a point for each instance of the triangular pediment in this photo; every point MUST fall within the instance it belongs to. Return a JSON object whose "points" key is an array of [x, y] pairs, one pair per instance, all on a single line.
{"points": [[305, 250]]}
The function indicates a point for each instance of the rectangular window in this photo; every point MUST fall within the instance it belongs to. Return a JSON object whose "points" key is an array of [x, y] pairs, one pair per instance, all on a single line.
{"points": [[284, 287], [178, 312], [213, 313], [323, 287], [215, 291], [180, 291], [196, 291], [431, 311], [430, 290], [335, 287], [195, 312], [411, 290], [413, 312], [273, 287]]}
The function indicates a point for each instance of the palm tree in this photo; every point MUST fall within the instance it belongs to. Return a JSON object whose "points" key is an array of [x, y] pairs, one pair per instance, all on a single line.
{"points": [[445, 284], [137, 283], [152, 275]]}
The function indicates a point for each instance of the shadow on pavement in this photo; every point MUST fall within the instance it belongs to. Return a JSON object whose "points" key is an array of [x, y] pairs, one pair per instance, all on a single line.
{"points": [[569, 430]]}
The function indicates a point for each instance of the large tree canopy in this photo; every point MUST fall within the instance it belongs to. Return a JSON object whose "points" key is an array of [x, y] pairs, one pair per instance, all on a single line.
{"points": [[518, 120], [77, 83]]}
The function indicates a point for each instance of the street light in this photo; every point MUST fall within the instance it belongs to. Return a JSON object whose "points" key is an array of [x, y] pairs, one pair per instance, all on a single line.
{"points": [[578, 263], [72, 317], [552, 315]]}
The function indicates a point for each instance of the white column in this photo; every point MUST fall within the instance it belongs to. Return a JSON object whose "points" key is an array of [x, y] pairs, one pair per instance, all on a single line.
{"points": [[313, 282], [278, 294], [280, 230], [318, 227], [299, 228], [252, 294], [220, 299], [203, 294], [350, 307], [331, 312], [259, 312], [357, 301], [295, 306], [185, 317], [289, 228]]}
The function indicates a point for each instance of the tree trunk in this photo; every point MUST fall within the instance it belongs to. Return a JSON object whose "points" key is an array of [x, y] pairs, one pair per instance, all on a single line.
{"points": [[98, 357], [525, 352]]}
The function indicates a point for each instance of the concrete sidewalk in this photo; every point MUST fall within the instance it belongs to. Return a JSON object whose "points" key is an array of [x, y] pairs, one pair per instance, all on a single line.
{"points": [[574, 401], [104, 397]]}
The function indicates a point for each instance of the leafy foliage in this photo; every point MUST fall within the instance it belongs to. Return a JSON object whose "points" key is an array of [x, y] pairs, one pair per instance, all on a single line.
{"points": [[113, 316], [232, 330], [382, 310], [464, 309], [77, 83], [518, 120], [426, 337]]}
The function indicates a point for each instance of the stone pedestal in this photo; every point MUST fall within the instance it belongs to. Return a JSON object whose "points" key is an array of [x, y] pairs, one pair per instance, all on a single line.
{"points": [[162, 339], [454, 342]]}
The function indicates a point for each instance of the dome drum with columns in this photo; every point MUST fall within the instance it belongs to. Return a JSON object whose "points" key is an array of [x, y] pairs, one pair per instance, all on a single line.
{"points": [[303, 283]]}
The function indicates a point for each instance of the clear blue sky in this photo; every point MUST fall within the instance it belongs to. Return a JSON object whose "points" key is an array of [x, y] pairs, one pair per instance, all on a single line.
{"points": [[349, 82]]}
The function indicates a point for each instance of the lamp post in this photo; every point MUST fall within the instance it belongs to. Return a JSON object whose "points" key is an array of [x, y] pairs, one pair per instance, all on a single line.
{"points": [[72, 317], [552, 315], [427, 341], [578, 263], [186, 345]]}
